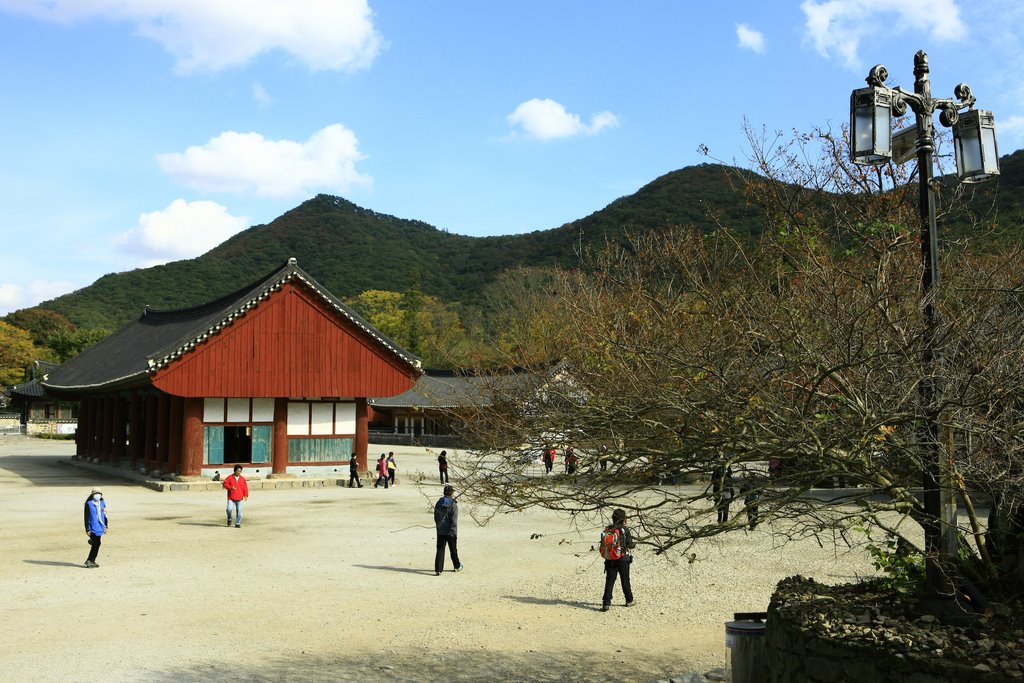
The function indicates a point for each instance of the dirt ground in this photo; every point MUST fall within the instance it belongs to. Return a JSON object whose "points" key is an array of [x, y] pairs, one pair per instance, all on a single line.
{"points": [[337, 584]]}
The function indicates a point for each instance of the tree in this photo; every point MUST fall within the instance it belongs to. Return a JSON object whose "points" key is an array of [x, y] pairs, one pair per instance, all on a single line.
{"points": [[39, 322], [795, 361], [68, 342], [16, 353]]}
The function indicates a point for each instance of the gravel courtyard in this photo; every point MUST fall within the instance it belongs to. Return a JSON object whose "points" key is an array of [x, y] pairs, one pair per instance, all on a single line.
{"points": [[337, 584]]}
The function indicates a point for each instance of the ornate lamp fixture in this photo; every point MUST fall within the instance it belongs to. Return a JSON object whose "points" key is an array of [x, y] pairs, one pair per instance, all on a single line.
{"points": [[872, 109]]}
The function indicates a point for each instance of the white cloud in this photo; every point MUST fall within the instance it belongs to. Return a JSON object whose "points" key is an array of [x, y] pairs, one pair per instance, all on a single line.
{"points": [[214, 34], [749, 38], [182, 230], [14, 297], [836, 27], [260, 94], [547, 120], [248, 163], [1010, 133]]}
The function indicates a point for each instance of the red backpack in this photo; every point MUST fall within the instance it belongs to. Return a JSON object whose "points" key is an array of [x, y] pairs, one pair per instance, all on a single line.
{"points": [[611, 547]]}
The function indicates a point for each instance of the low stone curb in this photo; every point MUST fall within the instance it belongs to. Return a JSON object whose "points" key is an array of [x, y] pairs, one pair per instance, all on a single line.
{"points": [[200, 484]]}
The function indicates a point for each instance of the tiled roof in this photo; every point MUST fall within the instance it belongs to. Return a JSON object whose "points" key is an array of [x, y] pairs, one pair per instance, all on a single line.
{"points": [[29, 389], [446, 389], [127, 357]]}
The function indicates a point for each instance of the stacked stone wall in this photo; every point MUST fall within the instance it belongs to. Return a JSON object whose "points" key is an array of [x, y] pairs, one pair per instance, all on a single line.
{"points": [[815, 637]]}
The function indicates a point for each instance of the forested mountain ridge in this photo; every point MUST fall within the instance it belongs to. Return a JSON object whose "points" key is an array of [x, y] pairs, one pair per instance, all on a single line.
{"points": [[350, 249]]}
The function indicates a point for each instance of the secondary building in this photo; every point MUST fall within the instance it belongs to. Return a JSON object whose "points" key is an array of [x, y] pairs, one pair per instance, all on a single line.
{"points": [[274, 377]]}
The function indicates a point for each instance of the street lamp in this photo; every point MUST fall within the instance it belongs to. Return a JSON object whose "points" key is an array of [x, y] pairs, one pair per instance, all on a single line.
{"points": [[977, 159]]}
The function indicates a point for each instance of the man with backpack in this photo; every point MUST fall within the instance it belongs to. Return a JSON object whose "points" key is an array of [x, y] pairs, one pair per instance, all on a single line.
{"points": [[615, 546]]}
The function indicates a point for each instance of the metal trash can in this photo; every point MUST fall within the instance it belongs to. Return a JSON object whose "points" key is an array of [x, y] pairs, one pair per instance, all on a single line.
{"points": [[744, 638]]}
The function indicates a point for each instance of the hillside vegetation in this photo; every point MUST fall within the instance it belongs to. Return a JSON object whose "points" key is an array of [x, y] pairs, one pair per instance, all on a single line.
{"points": [[350, 249]]}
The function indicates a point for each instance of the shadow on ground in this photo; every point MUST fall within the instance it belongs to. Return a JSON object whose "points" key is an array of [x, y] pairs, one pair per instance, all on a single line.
{"points": [[50, 563], [50, 470], [407, 570], [425, 667], [528, 600]]}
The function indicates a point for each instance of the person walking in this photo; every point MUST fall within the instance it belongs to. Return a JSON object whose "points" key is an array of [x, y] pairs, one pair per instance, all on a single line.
{"points": [[353, 472], [96, 524], [446, 519], [549, 459], [392, 467], [571, 460], [382, 472], [751, 498], [238, 492], [442, 466], [616, 547], [722, 491]]}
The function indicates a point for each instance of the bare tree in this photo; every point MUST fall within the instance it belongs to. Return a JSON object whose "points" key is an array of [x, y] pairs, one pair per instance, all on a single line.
{"points": [[794, 363]]}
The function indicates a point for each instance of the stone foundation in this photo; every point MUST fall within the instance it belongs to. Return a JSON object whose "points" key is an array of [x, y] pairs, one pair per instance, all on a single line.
{"points": [[816, 635]]}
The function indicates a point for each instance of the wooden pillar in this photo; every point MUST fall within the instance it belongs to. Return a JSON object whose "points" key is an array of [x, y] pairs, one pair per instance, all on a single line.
{"points": [[97, 428], [279, 464], [362, 443], [90, 427], [192, 437], [119, 433], [107, 429], [135, 430], [82, 431], [163, 420], [149, 449], [175, 434]]}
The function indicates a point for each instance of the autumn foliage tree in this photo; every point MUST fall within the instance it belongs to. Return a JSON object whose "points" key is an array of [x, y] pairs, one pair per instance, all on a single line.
{"points": [[795, 361], [16, 353]]}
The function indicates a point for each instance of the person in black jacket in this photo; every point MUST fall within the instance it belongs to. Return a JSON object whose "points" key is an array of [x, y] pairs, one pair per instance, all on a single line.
{"points": [[446, 519], [442, 466], [353, 472]]}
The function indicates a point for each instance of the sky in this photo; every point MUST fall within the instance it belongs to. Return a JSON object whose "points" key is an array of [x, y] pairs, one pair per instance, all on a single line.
{"points": [[134, 133]]}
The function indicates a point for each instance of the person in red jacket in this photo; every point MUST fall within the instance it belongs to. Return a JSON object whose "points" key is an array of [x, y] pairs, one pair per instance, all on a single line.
{"points": [[238, 491]]}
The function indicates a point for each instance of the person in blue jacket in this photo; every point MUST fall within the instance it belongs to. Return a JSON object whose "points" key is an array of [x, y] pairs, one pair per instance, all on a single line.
{"points": [[446, 519], [95, 524]]}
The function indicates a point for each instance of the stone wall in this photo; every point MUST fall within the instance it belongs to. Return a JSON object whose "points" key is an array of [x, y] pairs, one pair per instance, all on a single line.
{"points": [[826, 634], [64, 427]]}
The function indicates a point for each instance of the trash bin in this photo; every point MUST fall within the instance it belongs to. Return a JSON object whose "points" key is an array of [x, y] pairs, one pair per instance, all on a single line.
{"points": [[744, 638]]}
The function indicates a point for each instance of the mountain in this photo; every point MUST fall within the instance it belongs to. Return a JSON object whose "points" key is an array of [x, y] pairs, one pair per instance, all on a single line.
{"points": [[350, 249]]}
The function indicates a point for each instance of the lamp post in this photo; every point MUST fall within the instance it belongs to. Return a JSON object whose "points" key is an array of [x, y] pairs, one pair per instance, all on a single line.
{"points": [[977, 160]]}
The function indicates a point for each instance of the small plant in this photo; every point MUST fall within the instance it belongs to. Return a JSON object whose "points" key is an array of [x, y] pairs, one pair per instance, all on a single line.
{"points": [[902, 564]]}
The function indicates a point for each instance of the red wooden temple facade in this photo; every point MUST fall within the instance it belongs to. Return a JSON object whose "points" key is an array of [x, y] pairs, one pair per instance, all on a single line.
{"points": [[274, 377]]}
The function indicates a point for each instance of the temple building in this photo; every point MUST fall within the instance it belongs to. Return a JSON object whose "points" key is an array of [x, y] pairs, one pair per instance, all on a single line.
{"points": [[274, 377]]}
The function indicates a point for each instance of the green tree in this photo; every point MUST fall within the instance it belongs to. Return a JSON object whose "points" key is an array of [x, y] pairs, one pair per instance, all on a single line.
{"points": [[383, 309], [68, 343]]}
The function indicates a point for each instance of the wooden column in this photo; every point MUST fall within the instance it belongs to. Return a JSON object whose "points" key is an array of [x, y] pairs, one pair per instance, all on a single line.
{"points": [[135, 430], [97, 428], [163, 420], [82, 431], [107, 429], [192, 437], [174, 435], [362, 443], [149, 449], [119, 433], [279, 463]]}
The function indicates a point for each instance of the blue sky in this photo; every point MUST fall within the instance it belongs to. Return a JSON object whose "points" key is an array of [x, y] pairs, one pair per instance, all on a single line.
{"points": [[141, 132]]}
